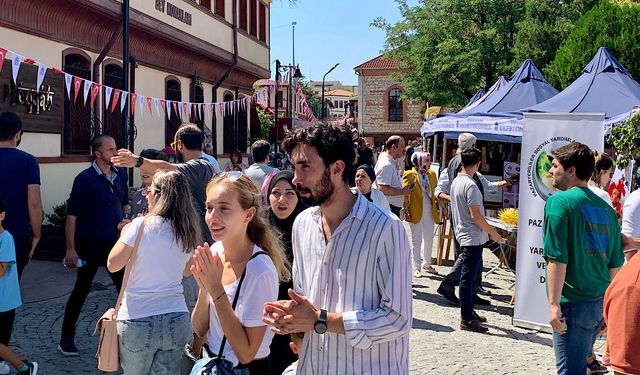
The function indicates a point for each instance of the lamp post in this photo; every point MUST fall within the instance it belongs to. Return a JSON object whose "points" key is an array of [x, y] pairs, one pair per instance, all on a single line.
{"points": [[278, 95], [324, 115], [293, 41]]}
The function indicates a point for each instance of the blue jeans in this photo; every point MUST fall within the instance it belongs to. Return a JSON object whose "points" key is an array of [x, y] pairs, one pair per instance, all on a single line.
{"points": [[470, 258], [154, 344], [584, 321]]}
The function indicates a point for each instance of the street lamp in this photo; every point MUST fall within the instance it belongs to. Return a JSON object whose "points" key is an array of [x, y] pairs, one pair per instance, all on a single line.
{"points": [[323, 77]]}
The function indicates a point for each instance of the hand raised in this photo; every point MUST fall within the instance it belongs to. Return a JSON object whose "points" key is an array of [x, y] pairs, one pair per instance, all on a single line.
{"points": [[207, 269], [125, 158]]}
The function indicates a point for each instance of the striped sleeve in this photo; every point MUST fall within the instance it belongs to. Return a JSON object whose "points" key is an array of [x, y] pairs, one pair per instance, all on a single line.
{"points": [[392, 318]]}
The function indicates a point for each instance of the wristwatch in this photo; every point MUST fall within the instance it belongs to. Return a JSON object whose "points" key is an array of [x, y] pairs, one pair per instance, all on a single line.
{"points": [[320, 325], [139, 162]]}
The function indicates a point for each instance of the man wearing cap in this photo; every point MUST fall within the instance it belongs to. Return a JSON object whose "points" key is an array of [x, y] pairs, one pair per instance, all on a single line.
{"points": [[388, 179]]}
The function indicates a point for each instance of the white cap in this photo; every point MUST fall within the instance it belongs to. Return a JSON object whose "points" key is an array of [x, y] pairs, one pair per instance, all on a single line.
{"points": [[466, 140]]}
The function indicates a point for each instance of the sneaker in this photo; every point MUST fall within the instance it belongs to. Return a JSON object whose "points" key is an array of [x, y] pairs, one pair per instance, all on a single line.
{"points": [[479, 318], [429, 269], [4, 368], [481, 301], [449, 295], [473, 326], [32, 370], [596, 367], [482, 291], [417, 273], [67, 347]]}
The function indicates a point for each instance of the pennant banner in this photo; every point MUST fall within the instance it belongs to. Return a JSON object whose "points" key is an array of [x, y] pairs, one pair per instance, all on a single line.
{"points": [[134, 97], [123, 100], [87, 89], [15, 65], [42, 71], [3, 55], [68, 78], [77, 82], [108, 91], [116, 99], [94, 92]]}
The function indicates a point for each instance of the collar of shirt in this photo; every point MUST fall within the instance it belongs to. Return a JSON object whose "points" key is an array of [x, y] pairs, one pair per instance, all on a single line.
{"points": [[358, 212], [112, 177]]}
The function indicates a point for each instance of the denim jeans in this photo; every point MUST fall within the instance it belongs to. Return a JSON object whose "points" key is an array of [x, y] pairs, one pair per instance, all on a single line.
{"points": [[154, 344], [584, 321], [470, 258]]}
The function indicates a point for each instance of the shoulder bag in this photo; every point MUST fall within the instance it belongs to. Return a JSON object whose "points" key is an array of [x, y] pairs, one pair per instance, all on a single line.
{"points": [[217, 364], [107, 353]]}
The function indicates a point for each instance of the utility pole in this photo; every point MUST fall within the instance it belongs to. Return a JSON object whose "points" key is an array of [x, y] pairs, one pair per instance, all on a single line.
{"points": [[125, 70]]}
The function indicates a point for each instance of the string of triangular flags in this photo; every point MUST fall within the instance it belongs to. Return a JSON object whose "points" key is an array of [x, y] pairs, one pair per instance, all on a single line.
{"points": [[304, 106], [115, 98]]}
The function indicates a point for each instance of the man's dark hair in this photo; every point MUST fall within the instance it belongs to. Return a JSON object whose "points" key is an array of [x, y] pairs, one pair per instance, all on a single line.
{"points": [[260, 150], [10, 125], [394, 140], [3, 207], [470, 157], [332, 143], [576, 155], [152, 154], [96, 142], [191, 136]]}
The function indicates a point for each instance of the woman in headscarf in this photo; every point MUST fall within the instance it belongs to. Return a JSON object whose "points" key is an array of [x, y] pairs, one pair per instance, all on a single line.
{"points": [[364, 185], [235, 162], [284, 207]]}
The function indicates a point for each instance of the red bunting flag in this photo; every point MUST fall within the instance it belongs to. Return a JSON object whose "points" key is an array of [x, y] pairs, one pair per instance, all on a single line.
{"points": [[149, 100], [194, 110], [115, 100], [77, 82], [163, 106], [185, 111], [94, 92], [29, 61], [56, 70], [3, 55], [134, 96], [175, 108]]}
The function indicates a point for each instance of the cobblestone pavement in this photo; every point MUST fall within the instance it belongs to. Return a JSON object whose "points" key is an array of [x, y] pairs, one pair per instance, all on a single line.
{"points": [[437, 345]]}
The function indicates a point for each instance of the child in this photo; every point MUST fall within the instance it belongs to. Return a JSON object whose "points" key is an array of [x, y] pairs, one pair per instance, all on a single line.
{"points": [[9, 301], [296, 342]]}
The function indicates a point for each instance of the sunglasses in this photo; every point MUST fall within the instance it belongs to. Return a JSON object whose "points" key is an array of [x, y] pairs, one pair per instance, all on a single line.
{"points": [[231, 176]]}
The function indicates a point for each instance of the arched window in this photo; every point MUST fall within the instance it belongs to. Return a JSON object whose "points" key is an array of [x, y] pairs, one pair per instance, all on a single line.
{"points": [[395, 105], [112, 121], [229, 133], [171, 125], [77, 115], [197, 115]]}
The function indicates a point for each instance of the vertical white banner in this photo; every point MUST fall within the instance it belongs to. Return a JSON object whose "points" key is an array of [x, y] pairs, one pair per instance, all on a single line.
{"points": [[543, 133]]}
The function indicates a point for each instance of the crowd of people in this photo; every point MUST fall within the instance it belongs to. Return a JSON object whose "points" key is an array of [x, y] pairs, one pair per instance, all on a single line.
{"points": [[253, 270]]}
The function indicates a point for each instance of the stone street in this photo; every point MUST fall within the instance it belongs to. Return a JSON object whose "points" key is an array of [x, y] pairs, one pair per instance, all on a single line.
{"points": [[437, 345]]}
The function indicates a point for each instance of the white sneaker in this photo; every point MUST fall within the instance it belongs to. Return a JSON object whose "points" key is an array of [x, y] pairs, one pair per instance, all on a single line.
{"points": [[4, 368], [417, 273]]}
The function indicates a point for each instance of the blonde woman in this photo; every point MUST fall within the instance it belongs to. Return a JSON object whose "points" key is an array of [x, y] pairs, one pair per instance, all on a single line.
{"points": [[153, 321], [248, 256]]}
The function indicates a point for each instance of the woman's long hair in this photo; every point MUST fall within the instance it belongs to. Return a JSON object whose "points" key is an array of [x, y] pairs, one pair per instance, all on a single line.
{"points": [[258, 230], [174, 202], [603, 162]]}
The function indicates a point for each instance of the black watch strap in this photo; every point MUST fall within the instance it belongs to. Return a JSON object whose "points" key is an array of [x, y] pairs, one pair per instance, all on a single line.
{"points": [[139, 162]]}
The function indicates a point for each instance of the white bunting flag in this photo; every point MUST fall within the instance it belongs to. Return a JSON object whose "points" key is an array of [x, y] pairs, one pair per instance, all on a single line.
{"points": [[15, 64], [168, 103], [180, 111], [123, 100], [189, 111], [87, 90], [107, 100], [141, 100], [42, 71], [68, 79], [156, 104]]}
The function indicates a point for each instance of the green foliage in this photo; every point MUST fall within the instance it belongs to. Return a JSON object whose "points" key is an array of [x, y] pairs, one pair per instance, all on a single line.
{"points": [[612, 24], [266, 123], [56, 219], [624, 138]]}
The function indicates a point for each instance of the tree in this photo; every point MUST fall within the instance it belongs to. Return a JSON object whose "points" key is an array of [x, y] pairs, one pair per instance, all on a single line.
{"points": [[612, 24], [546, 24], [448, 49]]}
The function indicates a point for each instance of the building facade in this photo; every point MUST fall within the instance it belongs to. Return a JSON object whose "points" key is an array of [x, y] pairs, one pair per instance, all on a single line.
{"points": [[381, 110], [196, 51]]}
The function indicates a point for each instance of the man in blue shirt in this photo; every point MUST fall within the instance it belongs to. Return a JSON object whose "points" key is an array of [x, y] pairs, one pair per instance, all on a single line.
{"points": [[20, 187], [95, 216]]}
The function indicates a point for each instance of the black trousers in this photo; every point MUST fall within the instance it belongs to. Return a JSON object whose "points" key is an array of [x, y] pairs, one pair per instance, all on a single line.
{"points": [[6, 326], [452, 280], [95, 253], [23, 247]]}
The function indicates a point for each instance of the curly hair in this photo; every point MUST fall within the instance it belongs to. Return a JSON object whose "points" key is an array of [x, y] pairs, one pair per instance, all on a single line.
{"points": [[332, 143]]}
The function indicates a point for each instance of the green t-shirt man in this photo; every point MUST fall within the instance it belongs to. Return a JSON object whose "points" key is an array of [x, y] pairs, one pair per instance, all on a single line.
{"points": [[582, 231]]}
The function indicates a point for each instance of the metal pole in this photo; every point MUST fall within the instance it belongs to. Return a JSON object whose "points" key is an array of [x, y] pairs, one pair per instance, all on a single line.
{"points": [[125, 69], [293, 40], [323, 78], [277, 95]]}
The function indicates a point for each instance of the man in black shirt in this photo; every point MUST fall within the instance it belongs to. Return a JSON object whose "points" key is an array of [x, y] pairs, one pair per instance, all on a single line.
{"points": [[365, 154]]}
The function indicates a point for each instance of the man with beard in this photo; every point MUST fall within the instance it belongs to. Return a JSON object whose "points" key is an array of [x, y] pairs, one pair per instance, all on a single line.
{"points": [[95, 216], [20, 188], [583, 250], [351, 271], [388, 179]]}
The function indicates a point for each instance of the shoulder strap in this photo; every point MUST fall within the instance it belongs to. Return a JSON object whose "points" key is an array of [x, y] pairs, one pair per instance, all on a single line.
{"points": [[127, 269], [235, 298]]}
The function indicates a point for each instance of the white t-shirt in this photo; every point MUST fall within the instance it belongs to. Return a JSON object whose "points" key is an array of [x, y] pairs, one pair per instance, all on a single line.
{"points": [[387, 174], [602, 194], [260, 285], [631, 215], [257, 173], [155, 283]]}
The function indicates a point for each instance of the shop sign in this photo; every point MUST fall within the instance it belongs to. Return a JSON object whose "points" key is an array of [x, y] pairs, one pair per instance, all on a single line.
{"points": [[174, 11]]}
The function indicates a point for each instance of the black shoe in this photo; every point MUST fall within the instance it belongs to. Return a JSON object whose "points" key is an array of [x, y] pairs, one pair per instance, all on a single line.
{"points": [[596, 367], [32, 369], [479, 318], [67, 347], [473, 326], [449, 295], [482, 291], [481, 301]]}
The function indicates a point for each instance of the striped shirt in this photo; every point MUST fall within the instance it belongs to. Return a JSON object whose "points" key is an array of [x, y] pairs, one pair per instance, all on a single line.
{"points": [[363, 272]]}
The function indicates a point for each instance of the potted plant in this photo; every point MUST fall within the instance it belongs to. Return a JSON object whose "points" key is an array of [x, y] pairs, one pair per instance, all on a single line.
{"points": [[52, 245]]}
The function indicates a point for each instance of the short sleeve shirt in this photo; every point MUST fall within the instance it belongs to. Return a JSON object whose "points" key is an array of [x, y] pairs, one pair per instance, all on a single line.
{"points": [[387, 174], [18, 170], [198, 172], [581, 230], [631, 215], [9, 287], [465, 193]]}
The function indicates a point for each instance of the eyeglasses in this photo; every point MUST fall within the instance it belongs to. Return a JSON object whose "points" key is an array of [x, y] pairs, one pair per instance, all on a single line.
{"points": [[173, 144], [231, 176]]}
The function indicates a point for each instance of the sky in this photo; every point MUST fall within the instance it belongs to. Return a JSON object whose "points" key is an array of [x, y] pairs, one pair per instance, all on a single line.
{"points": [[329, 32]]}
